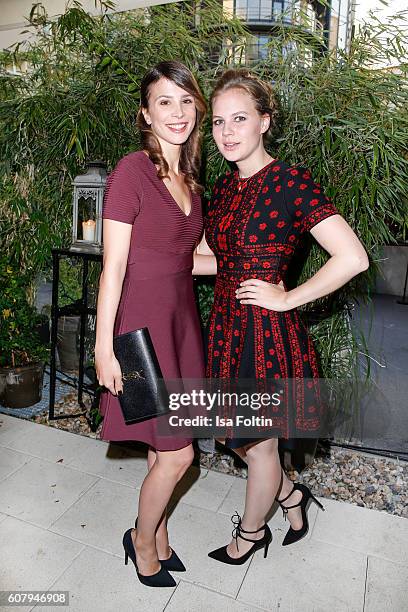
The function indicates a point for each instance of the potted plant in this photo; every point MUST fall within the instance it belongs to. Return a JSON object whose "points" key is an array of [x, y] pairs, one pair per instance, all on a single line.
{"points": [[23, 353]]}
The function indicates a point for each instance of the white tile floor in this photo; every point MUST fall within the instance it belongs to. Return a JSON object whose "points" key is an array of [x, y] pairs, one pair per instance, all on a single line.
{"points": [[66, 500]]}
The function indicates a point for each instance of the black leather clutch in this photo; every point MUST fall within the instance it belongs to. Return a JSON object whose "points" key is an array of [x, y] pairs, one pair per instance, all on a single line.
{"points": [[142, 397]]}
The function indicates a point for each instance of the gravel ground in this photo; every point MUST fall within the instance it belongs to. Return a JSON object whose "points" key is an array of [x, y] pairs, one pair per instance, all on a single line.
{"points": [[350, 476]]}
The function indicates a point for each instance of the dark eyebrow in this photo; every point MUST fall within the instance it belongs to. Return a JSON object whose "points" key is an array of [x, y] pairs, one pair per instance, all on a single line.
{"points": [[233, 114], [166, 96]]}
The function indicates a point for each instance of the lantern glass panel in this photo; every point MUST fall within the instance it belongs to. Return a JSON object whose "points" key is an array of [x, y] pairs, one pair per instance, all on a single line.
{"points": [[86, 221]]}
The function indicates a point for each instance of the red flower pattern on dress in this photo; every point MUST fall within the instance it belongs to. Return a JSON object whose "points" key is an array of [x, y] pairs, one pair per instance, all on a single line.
{"points": [[252, 241]]}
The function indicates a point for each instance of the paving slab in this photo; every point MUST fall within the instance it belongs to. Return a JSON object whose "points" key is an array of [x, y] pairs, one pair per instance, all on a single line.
{"points": [[101, 516], [40, 491], [11, 461], [387, 586], [193, 597], [32, 557], [363, 530], [11, 428], [203, 488], [112, 461], [100, 582], [309, 575], [51, 444]]}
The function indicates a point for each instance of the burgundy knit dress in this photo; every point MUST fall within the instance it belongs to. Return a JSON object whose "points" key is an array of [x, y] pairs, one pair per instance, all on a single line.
{"points": [[157, 289]]}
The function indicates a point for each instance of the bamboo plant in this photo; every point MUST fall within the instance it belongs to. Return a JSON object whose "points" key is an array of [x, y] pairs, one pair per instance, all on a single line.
{"points": [[342, 116]]}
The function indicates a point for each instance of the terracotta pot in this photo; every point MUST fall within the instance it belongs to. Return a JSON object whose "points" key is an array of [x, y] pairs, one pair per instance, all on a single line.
{"points": [[21, 387]]}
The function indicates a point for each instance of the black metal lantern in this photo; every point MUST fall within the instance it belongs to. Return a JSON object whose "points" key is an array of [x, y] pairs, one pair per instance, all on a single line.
{"points": [[87, 208]]}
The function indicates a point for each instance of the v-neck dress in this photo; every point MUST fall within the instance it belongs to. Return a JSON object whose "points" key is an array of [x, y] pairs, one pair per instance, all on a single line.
{"points": [[157, 290]]}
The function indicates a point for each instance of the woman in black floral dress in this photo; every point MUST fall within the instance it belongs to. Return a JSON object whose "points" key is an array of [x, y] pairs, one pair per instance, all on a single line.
{"points": [[255, 221]]}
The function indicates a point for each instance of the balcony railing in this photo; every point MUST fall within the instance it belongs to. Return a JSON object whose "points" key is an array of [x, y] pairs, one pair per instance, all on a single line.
{"points": [[263, 11]]}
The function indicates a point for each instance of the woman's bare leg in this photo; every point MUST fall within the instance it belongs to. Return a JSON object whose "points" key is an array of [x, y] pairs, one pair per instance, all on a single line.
{"points": [[155, 493], [264, 476], [162, 538]]}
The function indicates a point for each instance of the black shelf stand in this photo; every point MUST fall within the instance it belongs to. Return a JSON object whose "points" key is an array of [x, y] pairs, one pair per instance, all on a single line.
{"points": [[80, 307]]}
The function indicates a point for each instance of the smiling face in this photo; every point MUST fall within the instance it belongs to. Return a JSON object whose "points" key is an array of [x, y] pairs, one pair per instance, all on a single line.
{"points": [[171, 112], [237, 125]]}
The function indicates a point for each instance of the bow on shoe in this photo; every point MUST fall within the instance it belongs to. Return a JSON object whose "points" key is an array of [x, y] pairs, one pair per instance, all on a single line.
{"points": [[236, 521], [285, 512]]}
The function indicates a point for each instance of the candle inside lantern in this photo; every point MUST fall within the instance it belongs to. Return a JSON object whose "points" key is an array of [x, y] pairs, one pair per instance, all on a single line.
{"points": [[88, 230]]}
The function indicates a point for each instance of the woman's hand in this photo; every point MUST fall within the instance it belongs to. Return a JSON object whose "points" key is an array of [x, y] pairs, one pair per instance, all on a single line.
{"points": [[205, 262], [108, 372], [265, 295]]}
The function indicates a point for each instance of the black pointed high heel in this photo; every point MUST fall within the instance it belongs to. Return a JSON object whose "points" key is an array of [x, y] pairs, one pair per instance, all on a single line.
{"points": [[162, 578], [220, 554], [173, 563], [293, 535]]}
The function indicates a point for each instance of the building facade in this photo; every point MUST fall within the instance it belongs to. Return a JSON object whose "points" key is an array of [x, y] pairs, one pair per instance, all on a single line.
{"points": [[333, 21], [14, 14]]}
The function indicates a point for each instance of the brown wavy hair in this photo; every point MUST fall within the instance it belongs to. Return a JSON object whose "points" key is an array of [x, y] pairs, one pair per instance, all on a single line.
{"points": [[190, 156], [260, 91]]}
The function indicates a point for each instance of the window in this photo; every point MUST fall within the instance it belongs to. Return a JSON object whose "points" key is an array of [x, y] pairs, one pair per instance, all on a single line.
{"points": [[257, 48], [263, 10]]}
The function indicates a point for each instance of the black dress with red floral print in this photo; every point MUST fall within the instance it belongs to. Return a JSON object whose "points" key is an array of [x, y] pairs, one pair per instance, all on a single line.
{"points": [[254, 233]]}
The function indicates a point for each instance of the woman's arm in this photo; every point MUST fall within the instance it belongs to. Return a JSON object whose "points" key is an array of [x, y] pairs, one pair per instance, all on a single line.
{"points": [[348, 258], [116, 242], [205, 263]]}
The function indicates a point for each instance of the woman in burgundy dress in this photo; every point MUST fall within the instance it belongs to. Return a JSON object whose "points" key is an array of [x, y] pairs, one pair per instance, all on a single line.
{"points": [[152, 224], [255, 221]]}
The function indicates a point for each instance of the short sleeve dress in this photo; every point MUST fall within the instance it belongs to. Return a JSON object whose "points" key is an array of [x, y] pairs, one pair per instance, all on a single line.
{"points": [[157, 290], [254, 228]]}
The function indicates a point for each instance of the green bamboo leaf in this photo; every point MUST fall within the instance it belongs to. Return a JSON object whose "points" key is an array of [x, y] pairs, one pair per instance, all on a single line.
{"points": [[132, 87], [105, 62], [72, 141]]}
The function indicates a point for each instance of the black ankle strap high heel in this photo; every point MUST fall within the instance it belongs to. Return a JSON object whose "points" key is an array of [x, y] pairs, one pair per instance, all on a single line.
{"points": [[293, 535], [220, 554]]}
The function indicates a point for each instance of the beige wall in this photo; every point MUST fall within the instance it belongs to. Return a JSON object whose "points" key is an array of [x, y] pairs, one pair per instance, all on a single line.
{"points": [[14, 12]]}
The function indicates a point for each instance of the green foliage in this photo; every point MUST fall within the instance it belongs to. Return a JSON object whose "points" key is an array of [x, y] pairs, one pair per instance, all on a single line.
{"points": [[69, 287], [78, 101], [20, 342], [343, 116]]}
